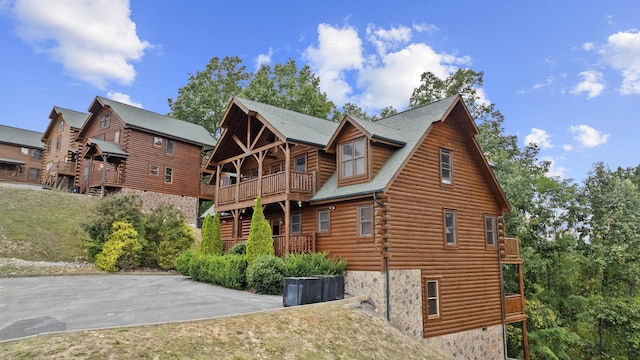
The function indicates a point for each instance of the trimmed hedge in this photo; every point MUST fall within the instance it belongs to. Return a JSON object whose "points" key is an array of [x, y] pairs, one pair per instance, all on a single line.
{"points": [[266, 274], [301, 265], [228, 271]]}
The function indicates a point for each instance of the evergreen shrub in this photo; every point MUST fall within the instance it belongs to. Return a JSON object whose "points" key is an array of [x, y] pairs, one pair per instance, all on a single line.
{"points": [[122, 250], [266, 274], [239, 249], [260, 241]]}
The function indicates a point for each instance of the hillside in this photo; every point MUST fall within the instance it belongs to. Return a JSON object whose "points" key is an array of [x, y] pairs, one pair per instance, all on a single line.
{"points": [[42, 225]]}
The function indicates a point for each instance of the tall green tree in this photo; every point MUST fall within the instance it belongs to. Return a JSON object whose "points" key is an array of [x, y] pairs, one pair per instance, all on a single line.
{"points": [[206, 246], [217, 247], [290, 88], [260, 241], [204, 99]]}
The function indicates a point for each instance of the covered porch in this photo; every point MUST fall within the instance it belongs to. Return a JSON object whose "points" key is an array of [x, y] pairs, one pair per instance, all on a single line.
{"points": [[104, 166], [11, 170]]}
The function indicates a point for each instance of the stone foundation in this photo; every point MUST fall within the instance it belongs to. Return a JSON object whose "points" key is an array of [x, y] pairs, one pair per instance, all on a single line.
{"points": [[405, 293], [186, 204], [479, 344]]}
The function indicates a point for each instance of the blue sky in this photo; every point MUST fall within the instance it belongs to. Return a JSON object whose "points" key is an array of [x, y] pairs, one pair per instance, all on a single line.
{"points": [[566, 74]]}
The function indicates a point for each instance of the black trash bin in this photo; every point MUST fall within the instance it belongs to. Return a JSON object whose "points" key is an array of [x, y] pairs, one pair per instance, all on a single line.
{"points": [[332, 287], [301, 291]]}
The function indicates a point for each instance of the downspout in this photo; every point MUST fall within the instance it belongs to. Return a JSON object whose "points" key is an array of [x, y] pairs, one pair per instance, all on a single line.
{"points": [[386, 266], [504, 334]]}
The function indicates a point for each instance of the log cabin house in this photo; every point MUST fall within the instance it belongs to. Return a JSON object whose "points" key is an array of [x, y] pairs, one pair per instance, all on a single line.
{"points": [[61, 148], [409, 201], [123, 148], [20, 155]]}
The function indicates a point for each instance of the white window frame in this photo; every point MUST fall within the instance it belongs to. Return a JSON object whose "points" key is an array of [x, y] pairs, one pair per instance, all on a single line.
{"points": [[446, 166], [154, 170], [352, 159], [300, 167], [168, 174], [324, 224], [157, 141], [60, 125], [105, 121], [432, 298], [169, 147], [365, 221], [450, 229]]}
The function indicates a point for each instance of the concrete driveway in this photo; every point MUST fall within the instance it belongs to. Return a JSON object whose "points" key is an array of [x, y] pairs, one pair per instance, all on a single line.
{"points": [[35, 305]]}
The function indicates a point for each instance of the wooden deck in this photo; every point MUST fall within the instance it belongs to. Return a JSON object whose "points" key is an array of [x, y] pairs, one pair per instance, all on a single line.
{"points": [[513, 308], [111, 178], [298, 182], [298, 244]]}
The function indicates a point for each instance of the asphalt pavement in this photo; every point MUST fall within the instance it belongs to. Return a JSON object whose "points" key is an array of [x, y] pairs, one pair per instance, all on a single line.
{"points": [[36, 305]]}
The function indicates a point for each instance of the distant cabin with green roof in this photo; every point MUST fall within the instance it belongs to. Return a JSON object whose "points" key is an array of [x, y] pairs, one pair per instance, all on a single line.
{"points": [[20, 155], [126, 149]]}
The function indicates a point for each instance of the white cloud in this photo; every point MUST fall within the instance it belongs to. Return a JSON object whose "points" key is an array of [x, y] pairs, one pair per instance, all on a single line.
{"points": [[539, 137], [385, 76], [428, 28], [264, 59], [593, 84], [554, 169], [94, 40], [622, 53], [588, 46], [123, 98], [567, 147], [588, 136]]}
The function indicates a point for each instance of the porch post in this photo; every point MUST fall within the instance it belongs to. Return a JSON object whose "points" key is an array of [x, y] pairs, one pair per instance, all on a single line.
{"points": [[287, 225], [104, 174]]}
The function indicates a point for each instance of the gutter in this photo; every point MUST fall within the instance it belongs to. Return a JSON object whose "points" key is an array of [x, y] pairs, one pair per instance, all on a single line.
{"points": [[504, 334], [386, 265]]}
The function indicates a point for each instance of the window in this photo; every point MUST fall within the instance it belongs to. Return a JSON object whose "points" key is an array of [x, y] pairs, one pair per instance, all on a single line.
{"points": [[433, 303], [352, 158], [116, 137], [450, 227], [58, 141], [154, 170], [34, 174], [98, 137], [296, 224], [446, 166], [169, 149], [60, 126], [157, 141], [365, 220], [24, 151], [168, 175], [36, 154], [323, 221], [300, 163], [225, 181], [253, 173], [105, 120], [276, 168], [490, 229]]}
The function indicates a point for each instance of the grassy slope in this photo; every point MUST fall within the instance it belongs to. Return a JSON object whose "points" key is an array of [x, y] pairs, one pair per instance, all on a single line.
{"points": [[322, 331], [42, 225]]}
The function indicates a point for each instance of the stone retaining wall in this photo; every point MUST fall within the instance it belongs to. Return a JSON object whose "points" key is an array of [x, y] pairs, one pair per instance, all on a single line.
{"points": [[186, 204], [480, 344]]}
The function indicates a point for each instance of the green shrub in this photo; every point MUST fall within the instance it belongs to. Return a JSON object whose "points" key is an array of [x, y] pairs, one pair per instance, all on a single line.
{"points": [[301, 265], [239, 249], [112, 209], [206, 246], [182, 263], [265, 275], [174, 241], [235, 272], [216, 241], [122, 250], [260, 241]]}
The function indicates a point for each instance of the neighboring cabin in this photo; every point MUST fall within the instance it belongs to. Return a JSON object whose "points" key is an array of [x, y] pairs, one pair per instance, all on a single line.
{"points": [[409, 201], [20, 155], [123, 148], [61, 148]]}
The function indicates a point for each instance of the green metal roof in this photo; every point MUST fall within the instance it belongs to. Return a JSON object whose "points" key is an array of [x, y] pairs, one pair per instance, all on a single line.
{"points": [[408, 127], [377, 130], [20, 137], [294, 126], [160, 124], [75, 119], [107, 147]]}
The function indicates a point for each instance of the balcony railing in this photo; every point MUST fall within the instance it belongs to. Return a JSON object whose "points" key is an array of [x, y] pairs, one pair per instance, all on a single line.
{"points": [[298, 244], [207, 191], [513, 308], [8, 175], [111, 177], [65, 168], [511, 248], [299, 182]]}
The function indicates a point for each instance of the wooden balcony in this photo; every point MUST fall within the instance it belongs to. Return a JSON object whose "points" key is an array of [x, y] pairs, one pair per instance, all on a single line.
{"points": [[10, 175], [273, 184], [63, 168], [298, 244], [207, 192], [510, 250], [514, 308], [111, 178]]}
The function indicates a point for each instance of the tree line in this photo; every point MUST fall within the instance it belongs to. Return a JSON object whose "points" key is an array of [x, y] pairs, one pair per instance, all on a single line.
{"points": [[579, 241]]}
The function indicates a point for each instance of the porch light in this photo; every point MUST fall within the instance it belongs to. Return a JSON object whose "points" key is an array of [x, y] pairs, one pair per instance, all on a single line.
{"points": [[299, 203]]}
